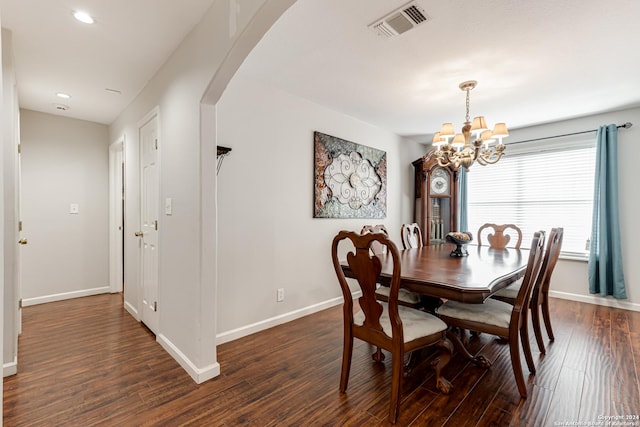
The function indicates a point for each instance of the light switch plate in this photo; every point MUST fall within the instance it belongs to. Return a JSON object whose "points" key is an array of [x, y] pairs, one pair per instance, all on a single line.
{"points": [[74, 208]]}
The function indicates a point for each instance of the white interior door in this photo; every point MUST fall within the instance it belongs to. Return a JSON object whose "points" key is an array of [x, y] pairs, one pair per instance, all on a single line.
{"points": [[149, 207]]}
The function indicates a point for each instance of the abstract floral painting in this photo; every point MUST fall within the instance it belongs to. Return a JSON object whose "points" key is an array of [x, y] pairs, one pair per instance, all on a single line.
{"points": [[350, 179]]}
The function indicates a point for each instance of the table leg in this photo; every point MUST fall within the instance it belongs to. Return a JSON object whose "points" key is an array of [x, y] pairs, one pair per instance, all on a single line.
{"points": [[478, 360]]}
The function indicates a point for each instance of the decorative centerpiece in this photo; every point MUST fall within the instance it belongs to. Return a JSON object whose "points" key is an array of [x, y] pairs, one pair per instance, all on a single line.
{"points": [[459, 238]]}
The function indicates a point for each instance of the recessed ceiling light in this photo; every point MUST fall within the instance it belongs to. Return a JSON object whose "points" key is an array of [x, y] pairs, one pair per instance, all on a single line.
{"points": [[63, 95], [83, 17]]}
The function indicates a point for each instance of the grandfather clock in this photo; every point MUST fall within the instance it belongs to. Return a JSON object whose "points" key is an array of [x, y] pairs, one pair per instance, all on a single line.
{"points": [[436, 199]]}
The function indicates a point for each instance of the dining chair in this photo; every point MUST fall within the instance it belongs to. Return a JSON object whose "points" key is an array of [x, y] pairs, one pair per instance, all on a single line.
{"points": [[411, 236], [376, 247], [406, 297], [500, 240], [500, 318], [540, 294], [390, 326]]}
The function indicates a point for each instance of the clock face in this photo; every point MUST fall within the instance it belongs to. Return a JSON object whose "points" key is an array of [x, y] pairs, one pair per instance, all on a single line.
{"points": [[439, 181]]}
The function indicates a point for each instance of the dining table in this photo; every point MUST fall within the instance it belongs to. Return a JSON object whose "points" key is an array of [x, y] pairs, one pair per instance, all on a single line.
{"points": [[435, 272]]}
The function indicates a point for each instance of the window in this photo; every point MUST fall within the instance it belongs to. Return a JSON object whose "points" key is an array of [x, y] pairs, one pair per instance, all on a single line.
{"points": [[537, 186]]}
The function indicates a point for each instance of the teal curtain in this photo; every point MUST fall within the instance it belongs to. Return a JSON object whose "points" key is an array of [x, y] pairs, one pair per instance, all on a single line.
{"points": [[605, 258], [463, 218]]}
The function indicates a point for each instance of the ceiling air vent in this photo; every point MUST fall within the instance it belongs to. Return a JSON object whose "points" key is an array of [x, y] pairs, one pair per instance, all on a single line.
{"points": [[400, 20]]}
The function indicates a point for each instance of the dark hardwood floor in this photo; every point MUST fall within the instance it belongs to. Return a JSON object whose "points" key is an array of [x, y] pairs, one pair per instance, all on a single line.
{"points": [[87, 362]]}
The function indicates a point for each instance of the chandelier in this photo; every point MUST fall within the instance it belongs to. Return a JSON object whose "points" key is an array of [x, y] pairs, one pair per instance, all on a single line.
{"points": [[458, 149]]}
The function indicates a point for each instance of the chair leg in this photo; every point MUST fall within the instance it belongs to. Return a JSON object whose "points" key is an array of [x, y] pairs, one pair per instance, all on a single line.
{"points": [[547, 316], [378, 356], [347, 352], [514, 351], [526, 345], [535, 318], [397, 365], [446, 351]]}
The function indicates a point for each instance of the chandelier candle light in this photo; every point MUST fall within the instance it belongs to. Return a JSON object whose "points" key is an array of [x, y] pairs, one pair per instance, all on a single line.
{"points": [[458, 149]]}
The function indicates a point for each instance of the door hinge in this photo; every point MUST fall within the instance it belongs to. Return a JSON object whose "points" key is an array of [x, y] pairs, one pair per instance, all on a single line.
{"points": [[19, 225], [156, 224], [20, 303], [155, 141], [155, 306], [19, 148]]}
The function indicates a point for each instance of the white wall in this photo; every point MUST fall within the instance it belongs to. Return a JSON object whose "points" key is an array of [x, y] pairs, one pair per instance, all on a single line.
{"points": [[64, 161], [267, 235], [199, 69], [570, 279], [8, 214], [2, 204]]}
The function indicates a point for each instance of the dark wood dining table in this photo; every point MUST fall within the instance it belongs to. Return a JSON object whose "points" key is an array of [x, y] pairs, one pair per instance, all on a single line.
{"points": [[431, 271]]}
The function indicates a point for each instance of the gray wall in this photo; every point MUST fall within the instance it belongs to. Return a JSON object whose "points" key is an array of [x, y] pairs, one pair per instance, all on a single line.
{"points": [[64, 161]]}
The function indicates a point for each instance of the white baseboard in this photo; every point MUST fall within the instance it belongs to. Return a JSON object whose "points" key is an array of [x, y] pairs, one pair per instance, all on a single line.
{"points": [[10, 368], [243, 331], [132, 310], [66, 295], [199, 375], [597, 300]]}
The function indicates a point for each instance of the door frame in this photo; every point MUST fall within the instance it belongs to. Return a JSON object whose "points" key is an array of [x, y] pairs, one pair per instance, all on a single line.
{"points": [[116, 214], [154, 113]]}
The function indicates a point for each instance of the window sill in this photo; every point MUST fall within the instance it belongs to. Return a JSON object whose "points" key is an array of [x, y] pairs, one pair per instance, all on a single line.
{"points": [[573, 256]]}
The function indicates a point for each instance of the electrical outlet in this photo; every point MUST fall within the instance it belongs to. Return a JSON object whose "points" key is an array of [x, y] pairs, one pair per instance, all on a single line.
{"points": [[280, 295]]}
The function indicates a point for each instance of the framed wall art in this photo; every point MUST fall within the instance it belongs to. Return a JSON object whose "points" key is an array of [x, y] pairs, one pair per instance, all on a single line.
{"points": [[350, 179]]}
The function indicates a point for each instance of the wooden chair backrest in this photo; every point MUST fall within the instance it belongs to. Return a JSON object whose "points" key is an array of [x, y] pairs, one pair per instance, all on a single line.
{"points": [[376, 247], [500, 240], [554, 245], [366, 268], [411, 236], [530, 276]]}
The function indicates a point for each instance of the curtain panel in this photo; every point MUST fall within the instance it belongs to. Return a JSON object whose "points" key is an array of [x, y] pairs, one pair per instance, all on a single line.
{"points": [[606, 275]]}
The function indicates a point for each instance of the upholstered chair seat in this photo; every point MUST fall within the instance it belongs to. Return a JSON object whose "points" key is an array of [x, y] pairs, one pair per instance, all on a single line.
{"points": [[405, 297], [415, 323], [491, 312], [510, 291]]}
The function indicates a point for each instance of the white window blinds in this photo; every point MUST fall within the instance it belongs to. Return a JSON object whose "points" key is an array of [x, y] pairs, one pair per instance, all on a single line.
{"points": [[537, 188]]}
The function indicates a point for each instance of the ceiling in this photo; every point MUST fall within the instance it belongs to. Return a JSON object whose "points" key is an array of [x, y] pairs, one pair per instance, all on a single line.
{"points": [[535, 62], [128, 43]]}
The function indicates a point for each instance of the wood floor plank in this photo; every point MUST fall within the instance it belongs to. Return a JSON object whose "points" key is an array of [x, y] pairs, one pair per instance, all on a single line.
{"points": [[567, 396], [581, 341], [599, 369], [624, 393], [87, 362], [532, 411]]}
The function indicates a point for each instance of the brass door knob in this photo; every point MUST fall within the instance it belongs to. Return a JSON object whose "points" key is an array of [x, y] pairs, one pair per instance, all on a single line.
{"points": [[23, 241], [139, 233]]}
